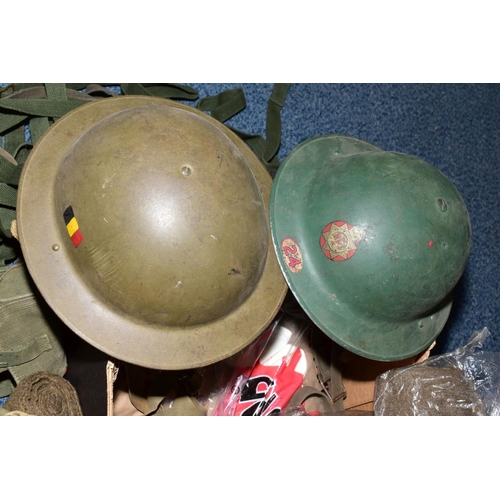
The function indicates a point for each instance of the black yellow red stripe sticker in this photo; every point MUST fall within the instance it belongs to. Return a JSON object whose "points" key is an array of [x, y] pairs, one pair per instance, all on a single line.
{"points": [[72, 226]]}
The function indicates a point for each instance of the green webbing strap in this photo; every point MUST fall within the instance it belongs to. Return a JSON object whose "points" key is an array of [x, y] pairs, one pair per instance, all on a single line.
{"points": [[58, 99], [40, 107], [8, 122], [19, 101], [8, 195], [13, 140], [9, 169], [7, 157], [230, 102], [39, 124], [9, 176], [56, 91], [273, 122], [225, 105], [166, 90]]}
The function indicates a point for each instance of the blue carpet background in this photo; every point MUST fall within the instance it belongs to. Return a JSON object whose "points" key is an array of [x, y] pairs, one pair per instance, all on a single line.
{"points": [[455, 127]]}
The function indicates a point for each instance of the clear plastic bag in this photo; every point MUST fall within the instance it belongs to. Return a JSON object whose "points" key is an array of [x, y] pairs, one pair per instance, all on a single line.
{"points": [[266, 374], [465, 382]]}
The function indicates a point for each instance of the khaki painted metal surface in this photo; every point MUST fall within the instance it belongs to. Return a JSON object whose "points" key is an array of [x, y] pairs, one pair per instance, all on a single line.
{"points": [[145, 225]]}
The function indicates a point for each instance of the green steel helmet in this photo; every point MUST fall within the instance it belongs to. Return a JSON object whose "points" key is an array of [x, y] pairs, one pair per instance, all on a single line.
{"points": [[145, 225], [371, 243]]}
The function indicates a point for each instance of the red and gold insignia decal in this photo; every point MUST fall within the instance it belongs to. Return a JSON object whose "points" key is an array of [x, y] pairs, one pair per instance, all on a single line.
{"points": [[339, 240], [292, 255]]}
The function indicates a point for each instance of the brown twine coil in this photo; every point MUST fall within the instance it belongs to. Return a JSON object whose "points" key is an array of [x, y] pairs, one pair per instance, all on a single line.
{"points": [[44, 394]]}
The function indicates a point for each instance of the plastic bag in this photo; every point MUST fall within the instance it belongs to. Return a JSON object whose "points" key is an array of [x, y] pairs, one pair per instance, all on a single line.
{"points": [[463, 382], [266, 376]]}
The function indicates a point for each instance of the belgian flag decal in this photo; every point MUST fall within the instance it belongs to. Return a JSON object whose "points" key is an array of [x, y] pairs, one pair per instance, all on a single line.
{"points": [[72, 226]]}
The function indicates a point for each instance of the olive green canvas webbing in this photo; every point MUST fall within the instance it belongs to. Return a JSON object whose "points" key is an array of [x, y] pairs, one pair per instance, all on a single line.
{"points": [[227, 104]]}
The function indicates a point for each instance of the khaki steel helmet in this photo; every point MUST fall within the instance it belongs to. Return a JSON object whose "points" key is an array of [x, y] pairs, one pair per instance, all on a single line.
{"points": [[371, 243], [144, 223]]}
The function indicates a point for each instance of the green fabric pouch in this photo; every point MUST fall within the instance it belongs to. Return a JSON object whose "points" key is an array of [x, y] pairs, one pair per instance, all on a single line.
{"points": [[29, 337]]}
